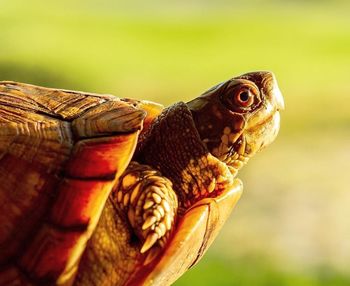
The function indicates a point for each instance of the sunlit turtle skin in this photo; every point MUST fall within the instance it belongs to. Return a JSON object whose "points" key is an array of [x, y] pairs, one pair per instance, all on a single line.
{"points": [[97, 190]]}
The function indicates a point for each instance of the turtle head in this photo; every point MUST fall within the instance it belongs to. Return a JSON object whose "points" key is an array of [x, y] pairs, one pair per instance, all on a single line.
{"points": [[239, 117]]}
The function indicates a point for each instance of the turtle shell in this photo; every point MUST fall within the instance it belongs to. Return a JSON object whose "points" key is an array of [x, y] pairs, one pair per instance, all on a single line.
{"points": [[60, 154]]}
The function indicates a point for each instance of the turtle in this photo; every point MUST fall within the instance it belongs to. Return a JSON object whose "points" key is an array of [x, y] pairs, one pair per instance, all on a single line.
{"points": [[101, 190]]}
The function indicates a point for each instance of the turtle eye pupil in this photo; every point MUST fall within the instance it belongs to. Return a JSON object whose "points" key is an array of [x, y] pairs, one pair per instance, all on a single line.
{"points": [[244, 96]]}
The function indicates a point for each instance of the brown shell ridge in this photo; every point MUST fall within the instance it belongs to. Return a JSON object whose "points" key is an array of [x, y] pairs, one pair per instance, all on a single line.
{"points": [[26, 109], [10, 89], [108, 118], [55, 102]]}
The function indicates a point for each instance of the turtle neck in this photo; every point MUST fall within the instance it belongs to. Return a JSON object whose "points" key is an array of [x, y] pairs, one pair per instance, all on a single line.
{"points": [[173, 146]]}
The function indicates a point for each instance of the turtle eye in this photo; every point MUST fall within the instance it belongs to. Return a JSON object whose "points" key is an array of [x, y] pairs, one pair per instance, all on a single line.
{"points": [[244, 98], [240, 96]]}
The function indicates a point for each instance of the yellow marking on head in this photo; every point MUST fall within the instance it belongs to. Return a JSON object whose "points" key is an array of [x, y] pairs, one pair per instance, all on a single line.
{"points": [[217, 112]]}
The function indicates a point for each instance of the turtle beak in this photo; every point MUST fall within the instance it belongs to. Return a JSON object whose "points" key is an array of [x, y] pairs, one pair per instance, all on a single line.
{"points": [[262, 128]]}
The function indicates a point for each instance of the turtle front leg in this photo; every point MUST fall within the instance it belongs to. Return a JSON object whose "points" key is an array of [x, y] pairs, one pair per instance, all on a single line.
{"points": [[149, 202]]}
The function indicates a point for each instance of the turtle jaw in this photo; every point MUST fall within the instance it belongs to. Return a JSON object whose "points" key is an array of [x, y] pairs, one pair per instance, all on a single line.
{"points": [[269, 130], [251, 142]]}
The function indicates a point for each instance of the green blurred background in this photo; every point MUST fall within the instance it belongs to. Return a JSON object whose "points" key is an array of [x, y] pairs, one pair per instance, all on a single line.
{"points": [[292, 225]]}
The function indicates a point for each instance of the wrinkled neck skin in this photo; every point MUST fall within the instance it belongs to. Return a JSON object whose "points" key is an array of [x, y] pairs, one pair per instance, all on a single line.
{"points": [[173, 146]]}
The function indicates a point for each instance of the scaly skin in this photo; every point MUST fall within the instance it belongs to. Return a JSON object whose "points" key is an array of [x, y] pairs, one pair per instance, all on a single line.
{"points": [[195, 173]]}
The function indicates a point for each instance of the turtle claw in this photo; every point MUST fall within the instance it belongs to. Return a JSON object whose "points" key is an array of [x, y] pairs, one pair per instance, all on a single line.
{"points": [[150, 241]]}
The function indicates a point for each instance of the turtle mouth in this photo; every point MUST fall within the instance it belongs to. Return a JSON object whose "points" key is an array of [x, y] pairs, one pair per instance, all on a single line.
{"points": [[263, 133], [264, 121]]}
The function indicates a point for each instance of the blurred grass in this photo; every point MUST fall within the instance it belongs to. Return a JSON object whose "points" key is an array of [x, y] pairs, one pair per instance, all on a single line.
{"points": [[291, 226], [164, 56], [258, 271]]}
